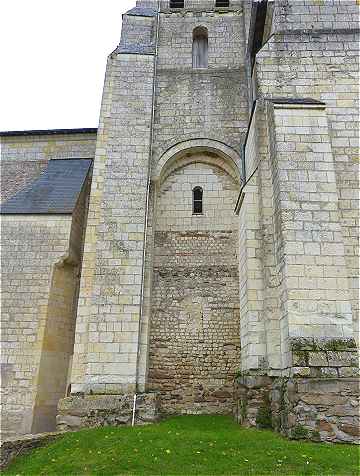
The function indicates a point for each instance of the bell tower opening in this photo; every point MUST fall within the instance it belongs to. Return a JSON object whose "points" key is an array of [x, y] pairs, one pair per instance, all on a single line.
{"points": [[200, 47]]}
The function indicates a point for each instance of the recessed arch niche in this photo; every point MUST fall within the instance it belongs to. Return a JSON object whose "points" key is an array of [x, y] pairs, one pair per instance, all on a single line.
{"points": [[194, 345]]}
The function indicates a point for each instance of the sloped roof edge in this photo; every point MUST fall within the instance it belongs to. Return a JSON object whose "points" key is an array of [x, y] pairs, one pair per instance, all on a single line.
{"points": [[40, 132], [55, 191]]}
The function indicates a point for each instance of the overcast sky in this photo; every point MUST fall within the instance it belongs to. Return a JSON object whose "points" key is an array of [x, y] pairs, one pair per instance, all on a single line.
{"points": [[53, 58]]}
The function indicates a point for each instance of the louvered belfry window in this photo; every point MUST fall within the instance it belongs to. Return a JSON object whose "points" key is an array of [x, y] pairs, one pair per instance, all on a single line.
{"points": [[200, 47], [176, 4]]}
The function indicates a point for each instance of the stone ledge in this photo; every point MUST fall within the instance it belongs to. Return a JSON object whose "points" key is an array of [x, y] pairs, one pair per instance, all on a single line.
{"points": [[322, 344], [323, 358], [13, 447], [90, 411]]}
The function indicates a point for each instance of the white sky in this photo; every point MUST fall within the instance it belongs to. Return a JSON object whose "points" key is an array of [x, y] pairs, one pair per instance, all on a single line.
{"points": [[53, 58]]}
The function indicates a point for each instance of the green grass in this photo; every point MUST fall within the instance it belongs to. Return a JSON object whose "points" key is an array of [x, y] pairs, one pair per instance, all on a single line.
{"points": [[201, 445]]}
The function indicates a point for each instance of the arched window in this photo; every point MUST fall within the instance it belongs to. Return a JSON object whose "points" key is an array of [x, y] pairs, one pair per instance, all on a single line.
{"points": [[197, 201], [200, 47]]}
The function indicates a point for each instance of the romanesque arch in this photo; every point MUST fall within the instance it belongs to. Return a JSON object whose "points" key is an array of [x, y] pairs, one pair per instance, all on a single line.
{"points": [[215, 152], [194, 345]]}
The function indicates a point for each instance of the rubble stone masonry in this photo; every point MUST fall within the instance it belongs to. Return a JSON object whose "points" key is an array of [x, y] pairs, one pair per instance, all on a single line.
{"points": [[194, 336]]}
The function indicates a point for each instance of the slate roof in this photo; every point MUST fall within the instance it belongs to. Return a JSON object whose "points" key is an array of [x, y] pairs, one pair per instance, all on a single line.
{"points": [[83, 130], [291, 100], [55, 191], [135, 49], [142, 12]]}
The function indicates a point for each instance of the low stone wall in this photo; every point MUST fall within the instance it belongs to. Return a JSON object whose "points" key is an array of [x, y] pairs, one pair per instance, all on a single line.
{"points": [[14, 447], [320, 409], [324, 409], [320, 400], [89, 411], [252, 401]]}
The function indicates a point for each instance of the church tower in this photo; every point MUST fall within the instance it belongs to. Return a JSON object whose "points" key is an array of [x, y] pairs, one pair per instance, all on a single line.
{"points": [[197, 253], [214, 248], [159, 299]]}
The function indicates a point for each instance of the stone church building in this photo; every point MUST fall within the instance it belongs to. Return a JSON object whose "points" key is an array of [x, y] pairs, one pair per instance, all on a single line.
{"points": [[197, 253]]}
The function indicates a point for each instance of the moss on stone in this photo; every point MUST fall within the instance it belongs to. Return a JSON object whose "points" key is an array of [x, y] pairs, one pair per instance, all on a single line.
{"points": [[339, 344], [301, 344], [264, 415], [299, 432], [315, 435], [264, 418], [243, 409], [301, 357]]}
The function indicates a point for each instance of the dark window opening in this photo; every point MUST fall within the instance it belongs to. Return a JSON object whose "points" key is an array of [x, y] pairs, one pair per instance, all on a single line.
{"points": [[197, 201], [222, 3], [200, 47], [257, 28], [176, 4]]}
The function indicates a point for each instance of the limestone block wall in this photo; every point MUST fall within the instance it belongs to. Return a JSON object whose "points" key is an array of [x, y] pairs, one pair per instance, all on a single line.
{"points": [[41, 257], [56, 345], [45, 146], [137, 32], [107, 329], [316, 15], [32, 245], [301, 253], [24, 157], [200, 103], [254, 353], [260, 281], [315, 298], [225, 37], [251, 280], [307, 312], [251, 152], [194, 331], [323, 65]]}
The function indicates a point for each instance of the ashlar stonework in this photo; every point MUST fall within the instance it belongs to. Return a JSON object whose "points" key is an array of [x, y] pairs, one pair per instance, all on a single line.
{"points": [[207, 261]]}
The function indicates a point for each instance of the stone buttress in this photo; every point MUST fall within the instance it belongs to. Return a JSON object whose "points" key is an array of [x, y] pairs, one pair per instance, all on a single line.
{"points": [[299, 300], [107, 344]]}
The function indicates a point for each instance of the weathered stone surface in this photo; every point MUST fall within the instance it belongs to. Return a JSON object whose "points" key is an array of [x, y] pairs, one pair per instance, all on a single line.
{"points": [[319, 344], [342, 359], [302, 408], [319, 399], [324, 425], [347, 372], [24, 157], [90, 411], [353, 430], [318, 359]]}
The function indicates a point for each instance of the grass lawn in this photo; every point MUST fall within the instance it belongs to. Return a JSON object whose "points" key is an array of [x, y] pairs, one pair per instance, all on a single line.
{"points": [[187, 445]]}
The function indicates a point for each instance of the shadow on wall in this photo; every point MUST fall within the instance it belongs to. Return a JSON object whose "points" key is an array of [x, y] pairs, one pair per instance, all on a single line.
{"points": [[57, 344]]}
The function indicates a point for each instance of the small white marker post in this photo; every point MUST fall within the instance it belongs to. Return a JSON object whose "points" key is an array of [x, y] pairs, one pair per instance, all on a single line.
{"points": [[133, 412]]}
